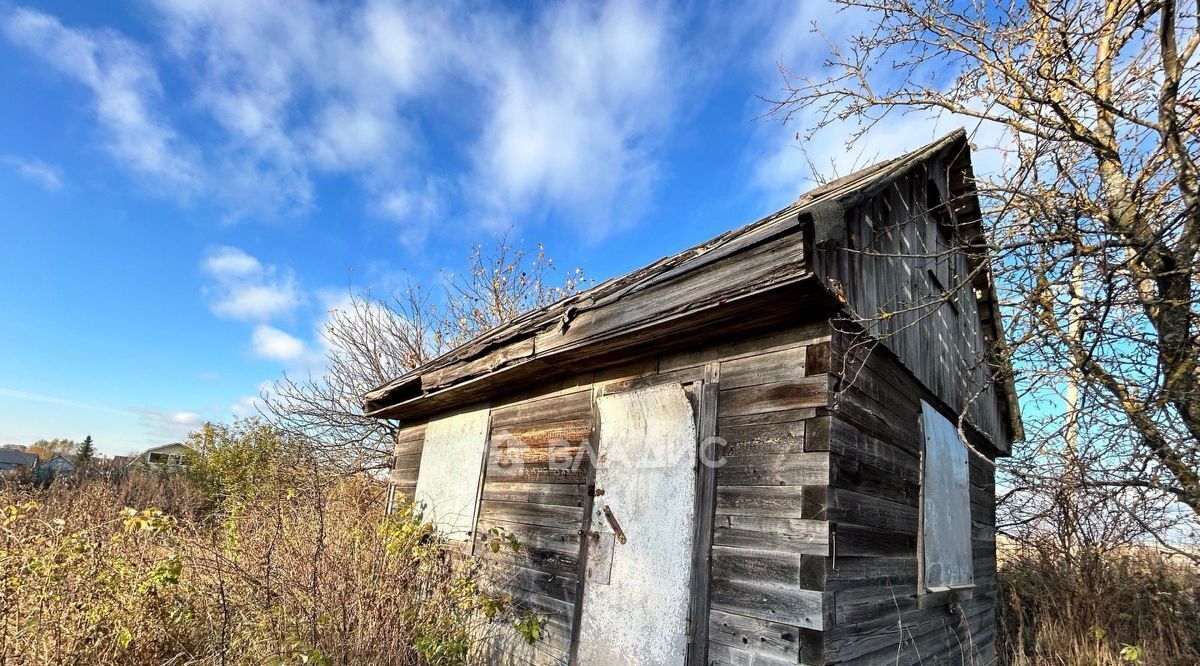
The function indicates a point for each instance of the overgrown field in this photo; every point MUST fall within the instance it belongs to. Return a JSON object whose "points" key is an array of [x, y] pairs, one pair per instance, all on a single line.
{"points": [[1126, 605], [152, 569]]}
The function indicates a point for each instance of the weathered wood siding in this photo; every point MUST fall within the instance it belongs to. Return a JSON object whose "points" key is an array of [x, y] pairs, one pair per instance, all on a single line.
{"points": [[900, 254], [534, 488], [406, 464], [873, 502], [769, 539]]}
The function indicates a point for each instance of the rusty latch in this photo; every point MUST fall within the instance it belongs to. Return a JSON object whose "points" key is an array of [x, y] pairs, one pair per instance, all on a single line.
{"points": [[616, 527]]}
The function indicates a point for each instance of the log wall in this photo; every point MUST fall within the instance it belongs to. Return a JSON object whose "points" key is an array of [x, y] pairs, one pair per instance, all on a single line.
{"points": [[873, 504]]}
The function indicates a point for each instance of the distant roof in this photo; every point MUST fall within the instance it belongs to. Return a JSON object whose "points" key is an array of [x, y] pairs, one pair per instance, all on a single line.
{"points": [[165, 446], [15, 457]]}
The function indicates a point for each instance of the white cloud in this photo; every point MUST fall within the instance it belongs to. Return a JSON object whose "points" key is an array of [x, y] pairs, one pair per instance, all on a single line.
{"points": [[47, 176], [576, 109], [167, 425], [560, 110], [300, 87], [270, 342], [125, 91], [243, 288]]}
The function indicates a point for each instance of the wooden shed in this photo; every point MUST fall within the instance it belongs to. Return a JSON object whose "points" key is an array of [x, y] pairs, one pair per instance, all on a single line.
{"points": [[749, 452]]}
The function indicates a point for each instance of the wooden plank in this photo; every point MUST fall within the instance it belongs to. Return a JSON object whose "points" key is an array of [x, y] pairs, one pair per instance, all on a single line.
{"points": [[774, 603], [546, 515], [797, 394], [859, 541], [561, 494], [849, 441], [757, 269], [796, 469], [682, 376], [784, 502], [780, 438], [870, 571], [508, 578], [558, 539], [586, 528], [568, 407], [765, 418], [747, 563], [706, 503], [722, 654], [775, 366], [787, 535], [404, 477], [547, 472], [530, 557], [852, 474], [489, 362], [797, 336], [845, 506], [763, 638], [817, 358]]}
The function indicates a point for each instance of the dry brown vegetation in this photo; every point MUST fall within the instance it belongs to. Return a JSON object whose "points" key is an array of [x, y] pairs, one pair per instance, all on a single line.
{"points": [[151, 570], [1121, 606]]}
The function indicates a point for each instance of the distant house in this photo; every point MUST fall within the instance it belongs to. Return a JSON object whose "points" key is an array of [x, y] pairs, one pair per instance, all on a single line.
{"points": [[15, 459], [57, 466], [171, 455]]}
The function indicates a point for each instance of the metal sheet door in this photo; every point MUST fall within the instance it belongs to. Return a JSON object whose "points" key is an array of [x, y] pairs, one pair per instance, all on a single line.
{"points": [[635, 600]]}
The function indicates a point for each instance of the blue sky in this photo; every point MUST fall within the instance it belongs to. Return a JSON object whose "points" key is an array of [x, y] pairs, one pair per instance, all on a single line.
{"points": [[186, 186]]}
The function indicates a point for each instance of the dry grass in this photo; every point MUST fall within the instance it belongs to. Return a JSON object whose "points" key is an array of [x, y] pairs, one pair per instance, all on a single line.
{"points": [[149, 570], [1120, 606]]}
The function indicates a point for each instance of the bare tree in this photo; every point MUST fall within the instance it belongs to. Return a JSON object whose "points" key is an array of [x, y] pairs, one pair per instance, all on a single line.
{"points": [[1093, 223], [499, 283], [372, 341]]}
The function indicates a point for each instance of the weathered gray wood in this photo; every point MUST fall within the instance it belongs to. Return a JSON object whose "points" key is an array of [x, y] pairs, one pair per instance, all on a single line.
{"points": [[775, 603], [767, 566], [795, 469], [797, 394], [568, 407], [556, 538], [781, 438], [789, 535], [763, 638], [787, 338], [775, 366], [723, 654], [783, 502], [562, 494], [706, 506], [846, 506], [682, 376], [766, 418], [546, 515]]}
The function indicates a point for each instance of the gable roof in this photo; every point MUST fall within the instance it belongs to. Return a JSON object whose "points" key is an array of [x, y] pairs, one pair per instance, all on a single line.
{"points": [[15, 457], [629, 313]]}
